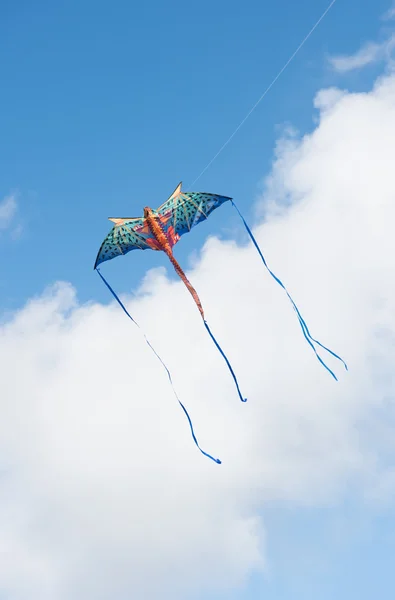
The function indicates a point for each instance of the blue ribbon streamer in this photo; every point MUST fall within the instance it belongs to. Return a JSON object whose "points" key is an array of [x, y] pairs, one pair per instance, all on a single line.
{"points": [[216, 460], [310, 340], [227, 362]]}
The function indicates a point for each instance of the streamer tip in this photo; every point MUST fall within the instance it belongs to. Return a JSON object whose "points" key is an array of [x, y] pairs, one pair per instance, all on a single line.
{"points": [[219, 462], [244, 399]]}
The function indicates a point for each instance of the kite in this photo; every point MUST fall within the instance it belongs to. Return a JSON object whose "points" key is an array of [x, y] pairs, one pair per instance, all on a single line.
{"points": [[160, 230]]}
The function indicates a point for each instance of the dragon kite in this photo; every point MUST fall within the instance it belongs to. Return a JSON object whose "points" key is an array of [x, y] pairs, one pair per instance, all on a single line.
{"points": [[160, 230]]}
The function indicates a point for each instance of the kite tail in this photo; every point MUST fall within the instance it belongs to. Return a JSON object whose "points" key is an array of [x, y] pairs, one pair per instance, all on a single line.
{"points": [[192, 290], [310, 340], [188, 284], [227, 362], [217, 460]]}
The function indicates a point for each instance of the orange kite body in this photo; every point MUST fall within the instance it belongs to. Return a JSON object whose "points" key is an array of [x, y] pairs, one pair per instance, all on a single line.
{"points": [[165, 242]]}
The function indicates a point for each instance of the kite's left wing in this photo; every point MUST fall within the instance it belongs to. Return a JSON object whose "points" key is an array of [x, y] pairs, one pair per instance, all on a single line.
{"points": [[126, 235], [184, 210]]}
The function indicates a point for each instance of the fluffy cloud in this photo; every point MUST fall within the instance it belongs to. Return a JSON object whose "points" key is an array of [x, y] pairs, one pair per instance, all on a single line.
{"points": [[8, 208], [369, 53], [390, 13], [103, 493]]}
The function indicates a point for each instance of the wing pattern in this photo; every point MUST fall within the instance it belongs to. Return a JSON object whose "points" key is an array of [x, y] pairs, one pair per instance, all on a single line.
{"points": [[184, 210], [126, 235], [178, 215]]}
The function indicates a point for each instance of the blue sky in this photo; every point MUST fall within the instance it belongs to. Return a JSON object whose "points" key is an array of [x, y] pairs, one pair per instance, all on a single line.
{"points": [[105, 108]]}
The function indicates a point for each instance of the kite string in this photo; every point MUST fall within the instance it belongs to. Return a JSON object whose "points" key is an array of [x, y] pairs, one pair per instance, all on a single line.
{"points": [[267, 90], [217, 460], [310, 340]]}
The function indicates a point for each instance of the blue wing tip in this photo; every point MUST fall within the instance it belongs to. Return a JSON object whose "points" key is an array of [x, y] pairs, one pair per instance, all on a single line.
{"points": [[98, 260]]}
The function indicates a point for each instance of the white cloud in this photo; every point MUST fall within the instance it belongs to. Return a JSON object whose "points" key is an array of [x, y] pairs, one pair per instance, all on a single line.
{"points": [[8, 209], [103, 493], [369, 53], [389, 14]]}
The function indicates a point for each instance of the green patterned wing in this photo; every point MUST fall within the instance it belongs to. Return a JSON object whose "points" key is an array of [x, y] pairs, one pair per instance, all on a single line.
{"points": [[184, 210], [126, 235]]}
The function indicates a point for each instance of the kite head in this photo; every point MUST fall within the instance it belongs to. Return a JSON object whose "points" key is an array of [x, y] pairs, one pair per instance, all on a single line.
{"points": [[147, 211]]}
